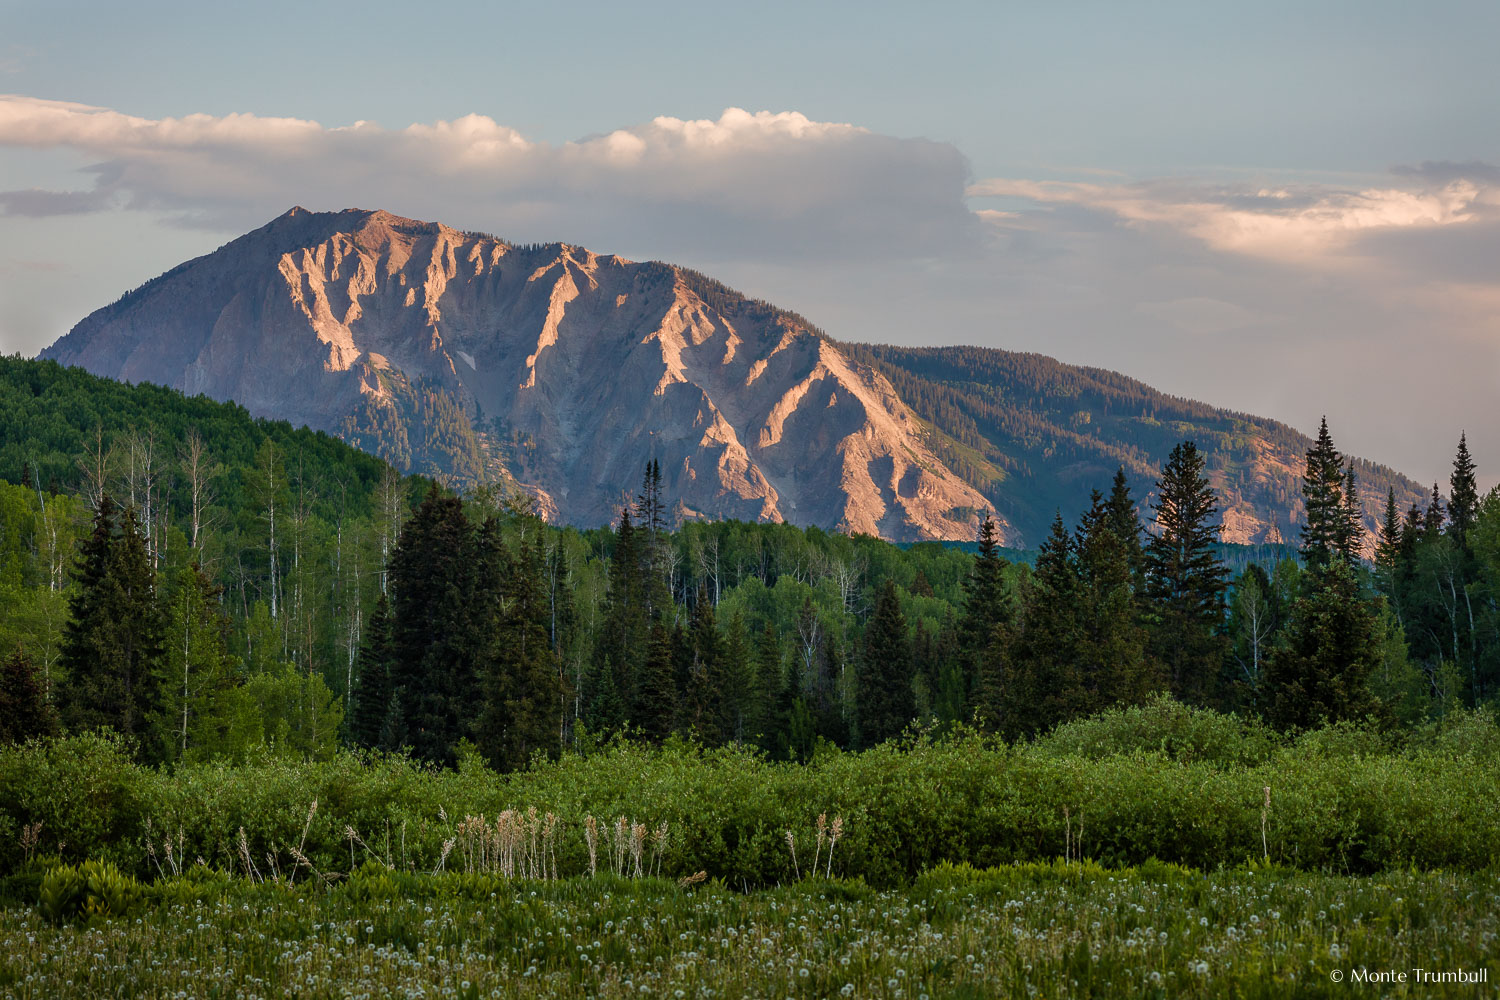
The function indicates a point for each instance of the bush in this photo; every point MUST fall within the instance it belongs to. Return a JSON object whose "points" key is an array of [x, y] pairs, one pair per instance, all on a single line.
{"points": [[1163, 725], [1341, 800]]}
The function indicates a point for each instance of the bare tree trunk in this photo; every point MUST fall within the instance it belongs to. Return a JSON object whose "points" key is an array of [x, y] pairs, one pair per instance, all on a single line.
{"points": [[95, 465]]}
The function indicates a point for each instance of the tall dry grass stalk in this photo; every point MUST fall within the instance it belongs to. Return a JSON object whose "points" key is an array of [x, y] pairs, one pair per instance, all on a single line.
{"points": [[591, 838], [518, 845], [1265, 814], [658, 846], [637, 848], [31, 835], [301, 844], [791, 843]]}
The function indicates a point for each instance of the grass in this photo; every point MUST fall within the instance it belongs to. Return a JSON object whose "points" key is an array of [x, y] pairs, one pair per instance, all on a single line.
{"points": [[1045, 930]]}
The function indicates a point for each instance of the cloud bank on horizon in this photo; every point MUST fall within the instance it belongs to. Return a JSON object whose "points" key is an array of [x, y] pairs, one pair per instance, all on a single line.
{"points": [[1376, 303]]}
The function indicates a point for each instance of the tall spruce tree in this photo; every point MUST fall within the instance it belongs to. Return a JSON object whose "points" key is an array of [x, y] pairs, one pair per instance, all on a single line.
{"points": [[522, 713], [1321, 671], [1112, 663], [1039, 681], [372, 692], [705, 695], [434, 639], [1388, 551], [987, 613], [655, 707], [625, 633], [1463, 495], [771, 695], [1351, 530], [113, 644], [1325, 531], [885, 699], [1185, 579], [652, 543], [1435, 516], [1124, 521]]}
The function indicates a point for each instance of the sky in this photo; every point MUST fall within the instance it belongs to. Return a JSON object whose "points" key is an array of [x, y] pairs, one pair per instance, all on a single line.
{"points": [[1288, 209]]}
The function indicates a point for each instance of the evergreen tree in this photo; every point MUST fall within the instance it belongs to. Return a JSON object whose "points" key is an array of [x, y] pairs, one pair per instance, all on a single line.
{"points": [[1463, 495], [25, 712], [1434, 517], [885, 700], [655, 707], [951, 694], [652, 542], [1388, 550], [1325, 532], [1351, 529], [1185, 579], [522, 712], [986, 606], [1321, 673], [434, 640], [112, 646], [625, 631], [1039, 683], [1125, 523], [704, 694], [771, 696], [372, 693], [1112, 663], [735, 710]]}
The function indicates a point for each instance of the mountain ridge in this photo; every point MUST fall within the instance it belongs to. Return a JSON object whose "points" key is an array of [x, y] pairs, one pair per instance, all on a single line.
{"points": [[551, 367], [368, 324]]}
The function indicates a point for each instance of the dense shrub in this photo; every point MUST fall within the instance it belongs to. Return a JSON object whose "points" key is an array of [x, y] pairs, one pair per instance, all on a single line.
{"points": [[1340, 801], [1175, 730]]}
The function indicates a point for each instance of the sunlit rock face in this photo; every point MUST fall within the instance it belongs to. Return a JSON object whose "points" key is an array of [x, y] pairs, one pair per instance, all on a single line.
{"points": [[575, 368]]}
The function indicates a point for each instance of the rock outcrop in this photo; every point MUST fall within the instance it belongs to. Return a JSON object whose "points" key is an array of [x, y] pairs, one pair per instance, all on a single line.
{"points": [[574, 368]]}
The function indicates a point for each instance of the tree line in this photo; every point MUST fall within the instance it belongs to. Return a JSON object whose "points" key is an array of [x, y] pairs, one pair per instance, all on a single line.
{"points": [[229, 601]]}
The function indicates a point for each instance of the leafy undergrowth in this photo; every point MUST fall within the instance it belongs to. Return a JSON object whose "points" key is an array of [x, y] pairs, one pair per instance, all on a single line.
{"points": [[1052, 930]]}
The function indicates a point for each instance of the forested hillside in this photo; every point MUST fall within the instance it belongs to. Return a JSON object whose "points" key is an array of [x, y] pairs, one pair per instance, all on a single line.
{"points": [[1033, 435], [208, 584]]}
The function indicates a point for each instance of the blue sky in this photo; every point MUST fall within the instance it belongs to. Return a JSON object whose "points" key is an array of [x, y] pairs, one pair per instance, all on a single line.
{"points": [[1222, 199]]}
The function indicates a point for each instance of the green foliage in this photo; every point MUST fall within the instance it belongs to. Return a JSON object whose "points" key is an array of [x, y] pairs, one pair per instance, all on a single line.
{"points": [[90, 892], [1185, 580], [1158, 781], [25, 712], [1178, 732], [1321, 672], [63, 891]]}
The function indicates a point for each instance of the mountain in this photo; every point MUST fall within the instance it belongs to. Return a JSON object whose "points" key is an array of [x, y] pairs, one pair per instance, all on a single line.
{"points": [[564, 371], [1035, 435]]}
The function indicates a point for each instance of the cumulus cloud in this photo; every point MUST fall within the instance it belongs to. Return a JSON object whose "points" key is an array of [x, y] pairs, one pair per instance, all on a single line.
{"points": [[744, 183]]}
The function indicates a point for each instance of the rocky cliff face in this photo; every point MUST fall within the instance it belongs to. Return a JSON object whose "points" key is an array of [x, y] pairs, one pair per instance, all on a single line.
{"points": [[575, 368]]}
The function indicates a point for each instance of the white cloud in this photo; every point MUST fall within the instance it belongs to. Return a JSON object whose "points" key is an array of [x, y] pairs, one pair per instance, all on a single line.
{"points": [[1277, 223], [713, 188]]}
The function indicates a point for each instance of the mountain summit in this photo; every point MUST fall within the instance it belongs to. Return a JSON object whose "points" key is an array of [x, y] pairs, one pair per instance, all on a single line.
{"points": [[574, 368], [564, 372]]}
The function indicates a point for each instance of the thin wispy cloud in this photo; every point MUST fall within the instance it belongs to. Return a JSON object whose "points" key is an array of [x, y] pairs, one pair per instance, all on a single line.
{"points": [[1285, 222]]}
